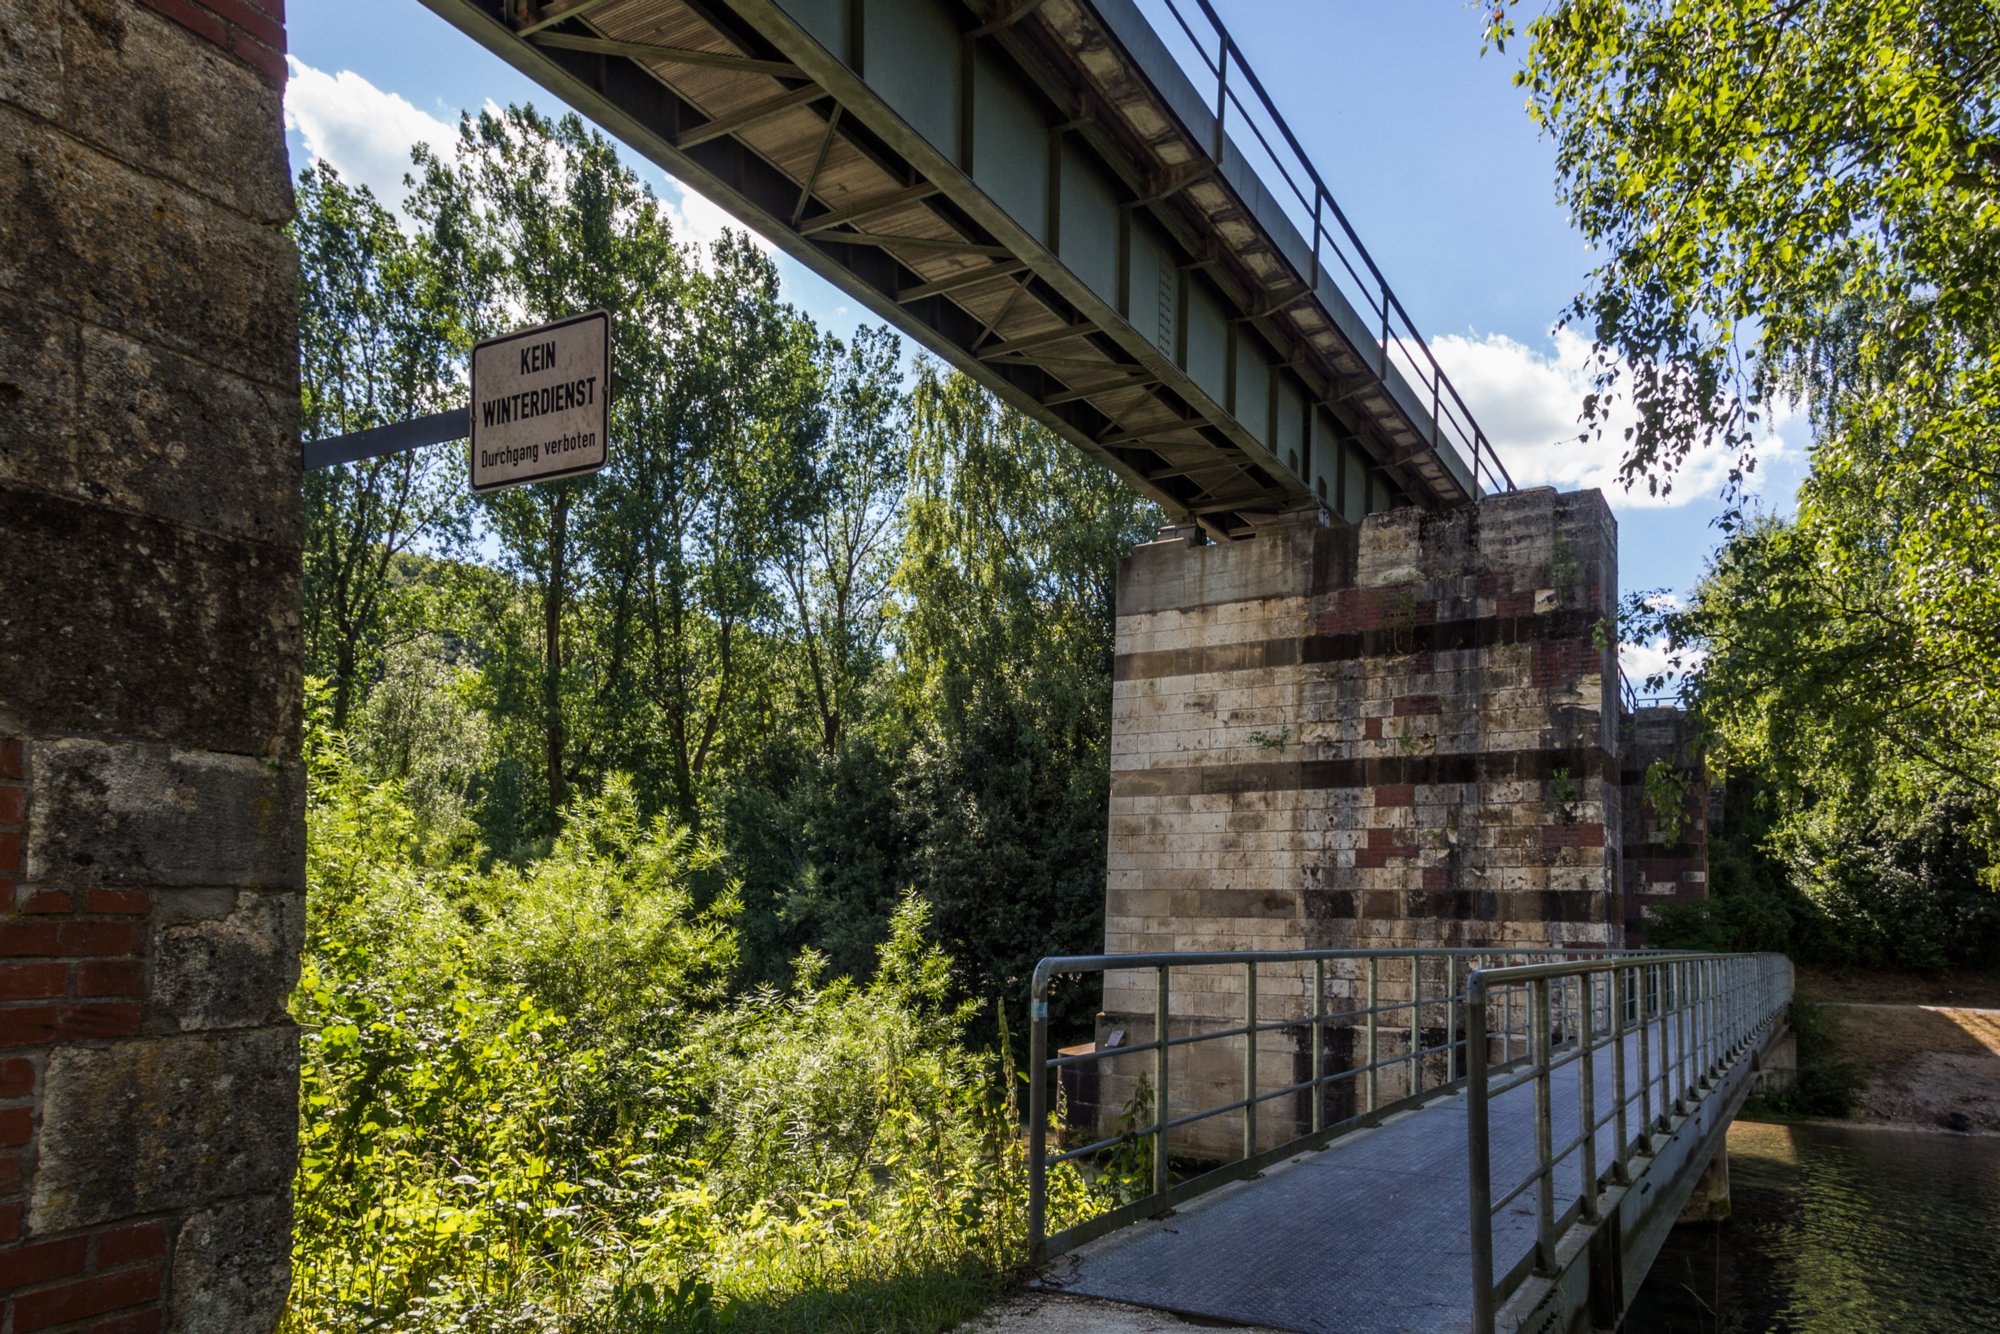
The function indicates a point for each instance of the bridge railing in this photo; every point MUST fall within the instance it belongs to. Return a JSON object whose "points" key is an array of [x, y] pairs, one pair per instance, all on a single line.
{"points": [[1337, 250], [1247, 1057], [1662, 1028]]}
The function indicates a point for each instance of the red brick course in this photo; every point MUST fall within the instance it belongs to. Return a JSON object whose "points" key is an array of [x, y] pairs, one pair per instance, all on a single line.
{"points": [[17, 1080], [128, 902], [40, 1025], [99, 1294], [1573, 836], [252, 31], [69, 971], [135, 1322], [33, 981], [111, 977], [127, 1245]]}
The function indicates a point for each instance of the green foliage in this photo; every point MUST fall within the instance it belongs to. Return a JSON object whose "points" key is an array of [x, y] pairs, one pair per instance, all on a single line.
{"points": [[1004, 639], [666, 819], [1666, 785], [377, 332], [530, 1102], [1797, 203], [1826, 1085]]}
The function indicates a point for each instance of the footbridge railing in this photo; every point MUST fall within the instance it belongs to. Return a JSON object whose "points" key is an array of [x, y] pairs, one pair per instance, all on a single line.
{"points": [[1337, 251], [1651, 1037], [1221, 1063], [1207, 1067]]}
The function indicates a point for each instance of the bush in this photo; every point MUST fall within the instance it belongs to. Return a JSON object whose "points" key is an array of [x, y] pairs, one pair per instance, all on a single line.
{"points": [[530, 1104]]}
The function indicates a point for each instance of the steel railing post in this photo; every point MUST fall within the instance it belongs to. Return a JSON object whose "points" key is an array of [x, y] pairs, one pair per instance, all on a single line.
{"points": [[1383, 373], [1369, 1047], [1684, 1084], [1451, 1062], [1250, 1060], [1319, 202], [1319, 1046], [1038, 1117], [1706, 969], [1416, 1025], [1620, 978], [1587, 1089], [1478, 1158], [1160, 991], [1545, 1172], [1221, 95], [1645, 1027]]}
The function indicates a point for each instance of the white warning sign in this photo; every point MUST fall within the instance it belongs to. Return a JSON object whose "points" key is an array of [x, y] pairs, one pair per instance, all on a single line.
{"points": [[541, 402]]}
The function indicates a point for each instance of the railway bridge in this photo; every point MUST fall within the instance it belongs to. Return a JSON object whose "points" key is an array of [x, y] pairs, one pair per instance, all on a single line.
{"points": [[1364, 705]]}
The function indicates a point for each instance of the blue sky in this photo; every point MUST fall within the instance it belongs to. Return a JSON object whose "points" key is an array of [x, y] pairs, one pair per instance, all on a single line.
{"points": [[1422, 139]]}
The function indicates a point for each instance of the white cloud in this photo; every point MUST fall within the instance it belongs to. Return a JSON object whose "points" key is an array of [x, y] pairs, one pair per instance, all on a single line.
{"points": [[364, 133], [1644, 661], [1529, 404], [697, 218]]}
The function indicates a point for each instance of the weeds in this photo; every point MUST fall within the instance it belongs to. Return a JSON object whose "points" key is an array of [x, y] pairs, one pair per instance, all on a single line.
{"points": [[530, 1104]]}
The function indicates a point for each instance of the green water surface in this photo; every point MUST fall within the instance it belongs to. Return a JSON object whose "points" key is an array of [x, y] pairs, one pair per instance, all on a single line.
{"points": [[1836, 1229]]}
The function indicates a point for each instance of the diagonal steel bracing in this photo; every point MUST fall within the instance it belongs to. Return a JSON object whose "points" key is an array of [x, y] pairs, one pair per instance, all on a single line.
{"points": [[1034, 191]]}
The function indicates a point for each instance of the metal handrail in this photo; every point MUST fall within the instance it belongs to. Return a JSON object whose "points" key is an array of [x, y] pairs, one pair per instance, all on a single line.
{"points": [[1633, 701], [1699, 1014], [1399, 332], [1429, 980]]}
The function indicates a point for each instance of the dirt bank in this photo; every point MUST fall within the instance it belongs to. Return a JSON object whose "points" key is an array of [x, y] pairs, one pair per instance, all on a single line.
{"points": [[1926, 1066]]}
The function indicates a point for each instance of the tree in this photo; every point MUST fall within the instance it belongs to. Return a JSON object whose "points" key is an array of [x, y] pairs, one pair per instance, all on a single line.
{"points": [[537, 220], [377, 337], [726, 424], [1004, 636], [836, 564], [1799, 200]]}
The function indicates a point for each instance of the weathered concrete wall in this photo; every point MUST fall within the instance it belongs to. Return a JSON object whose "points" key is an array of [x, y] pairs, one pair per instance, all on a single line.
{"points": [[1402, 734], [151, 828], [1665, 853]]}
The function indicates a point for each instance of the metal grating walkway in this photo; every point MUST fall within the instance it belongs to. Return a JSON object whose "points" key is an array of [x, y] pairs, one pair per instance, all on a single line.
{"points": [[1368, 1234]]}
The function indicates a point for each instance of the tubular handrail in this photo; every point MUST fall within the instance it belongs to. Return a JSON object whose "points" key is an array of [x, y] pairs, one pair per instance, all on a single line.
{"points": [[1398, 332], [1412, 1039], [1694, 1016]]}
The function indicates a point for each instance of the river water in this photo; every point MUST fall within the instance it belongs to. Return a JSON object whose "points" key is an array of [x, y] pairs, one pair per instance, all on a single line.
{"points": [[1838, 1230]]}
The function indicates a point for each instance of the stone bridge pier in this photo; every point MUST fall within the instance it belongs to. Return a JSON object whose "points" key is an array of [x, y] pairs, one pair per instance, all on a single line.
{"points": [[151, 817], [1400, 733]]}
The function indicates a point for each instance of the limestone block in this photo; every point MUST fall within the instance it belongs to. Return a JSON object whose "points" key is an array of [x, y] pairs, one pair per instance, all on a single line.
{"points": [[232, 971], [232, 1266], [37, 384], [158, 815], [31, 71], [167, 436], [157, 96], [165, 1123], [124, 640], [131, 252]]}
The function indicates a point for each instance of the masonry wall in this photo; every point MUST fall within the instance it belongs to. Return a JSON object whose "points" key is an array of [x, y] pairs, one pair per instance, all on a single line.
{"points": [[1401, 734], [1665, 851], [151, 826]]}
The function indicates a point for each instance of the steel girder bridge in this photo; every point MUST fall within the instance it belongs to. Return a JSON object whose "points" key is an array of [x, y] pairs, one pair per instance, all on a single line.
{"points": [[1036, 191]]}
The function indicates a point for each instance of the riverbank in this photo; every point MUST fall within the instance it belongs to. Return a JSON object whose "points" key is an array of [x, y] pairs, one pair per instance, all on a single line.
{"points": [[1926, 1050]]}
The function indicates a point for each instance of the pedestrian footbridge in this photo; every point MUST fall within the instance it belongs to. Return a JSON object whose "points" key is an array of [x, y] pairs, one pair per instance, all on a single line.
{"points": [[1390, 1140]]}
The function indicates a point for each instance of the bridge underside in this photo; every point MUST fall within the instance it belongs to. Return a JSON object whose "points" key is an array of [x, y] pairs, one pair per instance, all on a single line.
{"points": [[1369, 1235], [1035, 192]]}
